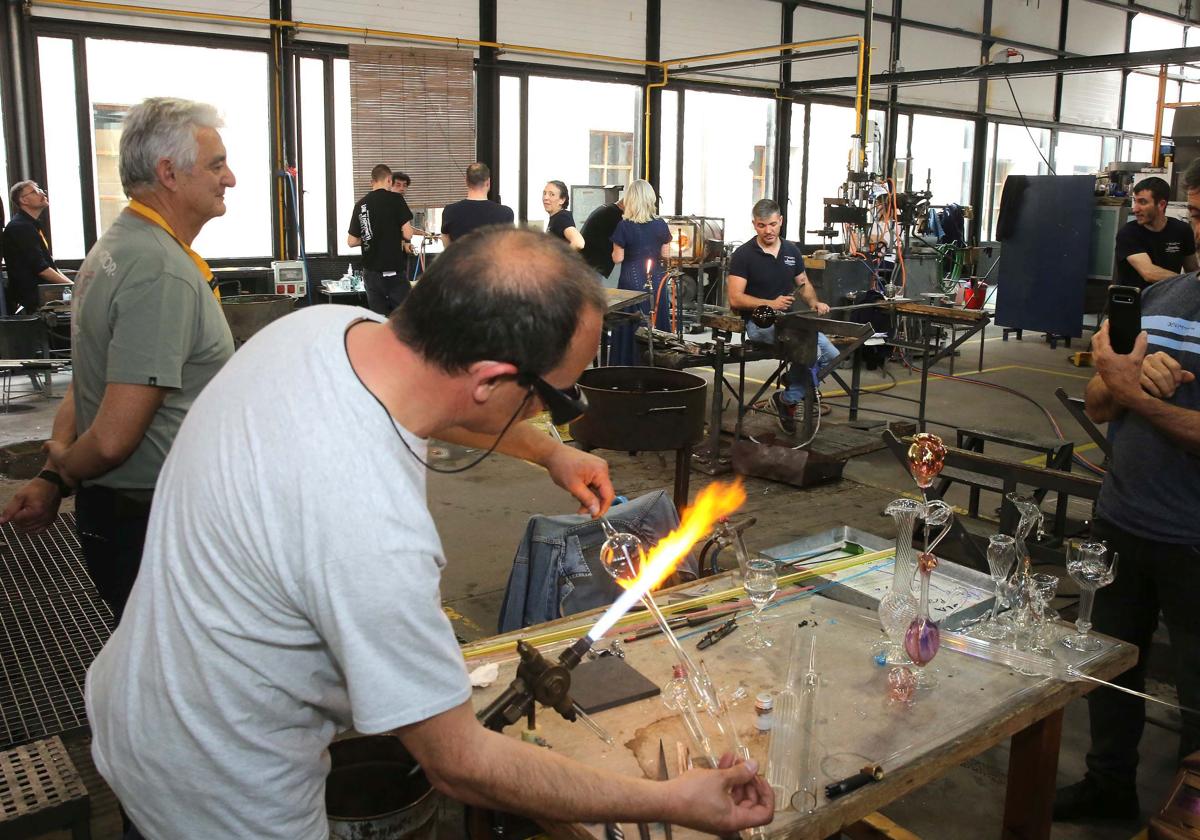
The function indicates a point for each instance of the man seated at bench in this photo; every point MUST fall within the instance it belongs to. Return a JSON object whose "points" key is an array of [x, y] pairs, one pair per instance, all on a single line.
{"points": [[769, 271]]}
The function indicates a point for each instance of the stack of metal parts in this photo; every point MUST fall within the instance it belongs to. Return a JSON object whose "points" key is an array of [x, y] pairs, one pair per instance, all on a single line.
{"points": [[52, 625]]}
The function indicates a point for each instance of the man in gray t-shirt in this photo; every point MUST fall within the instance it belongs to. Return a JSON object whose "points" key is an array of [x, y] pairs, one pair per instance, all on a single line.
{"points": [[147, 336], [1149, 514], [270, 615]]}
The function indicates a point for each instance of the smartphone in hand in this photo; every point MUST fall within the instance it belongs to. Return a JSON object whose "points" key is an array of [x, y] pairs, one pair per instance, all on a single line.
{"points": [[1124, 317]]}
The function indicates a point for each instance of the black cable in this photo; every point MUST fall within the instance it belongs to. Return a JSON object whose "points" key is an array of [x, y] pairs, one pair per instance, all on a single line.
{"points": [[399, 434], [1027, 129]]}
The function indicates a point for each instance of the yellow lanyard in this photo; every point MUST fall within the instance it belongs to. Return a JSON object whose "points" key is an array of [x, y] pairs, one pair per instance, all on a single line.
{"points": [[153, 217], [45, 241]]}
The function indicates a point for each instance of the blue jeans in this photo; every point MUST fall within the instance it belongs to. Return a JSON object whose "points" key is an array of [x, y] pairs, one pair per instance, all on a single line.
{"points": [[557, 569], [795, 379]]}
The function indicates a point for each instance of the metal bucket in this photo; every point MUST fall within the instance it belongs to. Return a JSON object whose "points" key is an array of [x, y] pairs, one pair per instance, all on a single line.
{"points": [[640, 409], [369, 794], [247, 314]]}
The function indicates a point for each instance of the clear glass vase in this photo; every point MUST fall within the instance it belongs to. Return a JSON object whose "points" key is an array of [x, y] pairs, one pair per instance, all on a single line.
{"points": [[898, 607]]}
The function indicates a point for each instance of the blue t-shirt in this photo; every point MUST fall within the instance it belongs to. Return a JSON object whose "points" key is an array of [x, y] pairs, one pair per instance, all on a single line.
{"points": [[642, 241], [1152, 488]]}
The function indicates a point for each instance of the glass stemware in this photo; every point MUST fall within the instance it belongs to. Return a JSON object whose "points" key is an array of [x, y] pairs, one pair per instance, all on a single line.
{"points": [[1001, 557], [762, 582], [1091, 569]]}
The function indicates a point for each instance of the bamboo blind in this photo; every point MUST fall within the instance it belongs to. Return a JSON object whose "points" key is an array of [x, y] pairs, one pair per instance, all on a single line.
{"points": [[413, 109]]}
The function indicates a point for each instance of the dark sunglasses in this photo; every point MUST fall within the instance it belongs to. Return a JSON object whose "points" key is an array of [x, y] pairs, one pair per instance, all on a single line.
{"points": [[564, 404]]}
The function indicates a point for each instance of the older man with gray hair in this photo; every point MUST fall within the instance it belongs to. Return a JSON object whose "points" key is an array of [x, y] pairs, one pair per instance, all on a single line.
{"points": [[148, 334]]}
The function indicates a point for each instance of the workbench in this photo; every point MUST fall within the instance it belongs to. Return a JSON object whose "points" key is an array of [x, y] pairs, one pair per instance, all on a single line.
{"points": [[976, 705]]}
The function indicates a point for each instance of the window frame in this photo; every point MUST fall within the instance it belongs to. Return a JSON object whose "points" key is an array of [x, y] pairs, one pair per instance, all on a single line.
{"points": [[78, 32]]}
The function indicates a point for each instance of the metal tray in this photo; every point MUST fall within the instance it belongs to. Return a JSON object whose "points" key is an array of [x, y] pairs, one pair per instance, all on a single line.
{"points": [[957, 594]]}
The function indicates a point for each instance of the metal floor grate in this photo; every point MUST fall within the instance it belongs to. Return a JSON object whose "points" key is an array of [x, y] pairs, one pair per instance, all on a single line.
{"points": [[52, 625], [43, 564]]}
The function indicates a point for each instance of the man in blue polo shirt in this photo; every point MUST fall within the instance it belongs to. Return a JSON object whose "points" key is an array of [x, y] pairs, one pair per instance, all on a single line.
{"points": [[769, 271]]}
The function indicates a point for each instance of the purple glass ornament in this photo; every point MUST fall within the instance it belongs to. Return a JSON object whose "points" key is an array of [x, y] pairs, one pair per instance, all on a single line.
{"points": [[922, 640]]}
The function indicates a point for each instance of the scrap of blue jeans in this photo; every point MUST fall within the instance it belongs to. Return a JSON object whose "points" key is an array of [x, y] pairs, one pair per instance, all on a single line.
{"points": [[557, 569]]}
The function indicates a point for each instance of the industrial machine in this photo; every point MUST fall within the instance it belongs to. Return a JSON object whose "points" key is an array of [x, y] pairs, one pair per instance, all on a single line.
{"points": [[698, 264]]}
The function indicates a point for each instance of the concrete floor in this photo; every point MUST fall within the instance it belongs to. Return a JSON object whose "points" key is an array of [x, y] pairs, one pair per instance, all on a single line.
{"points": [[482, 514]]}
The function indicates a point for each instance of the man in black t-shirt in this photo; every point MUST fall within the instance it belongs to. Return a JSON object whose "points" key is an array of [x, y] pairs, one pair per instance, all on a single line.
{"points": [[27, 250], [1154, 246], [769, 271], [381, 224], [597, 236], [476, 210]]}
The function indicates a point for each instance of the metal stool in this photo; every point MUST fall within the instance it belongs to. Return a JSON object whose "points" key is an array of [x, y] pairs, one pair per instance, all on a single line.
{"points": [[40, 791]]}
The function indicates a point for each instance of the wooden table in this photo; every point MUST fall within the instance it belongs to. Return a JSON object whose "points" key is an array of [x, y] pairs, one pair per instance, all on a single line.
{"points": [[618, 299], [975, 706]]}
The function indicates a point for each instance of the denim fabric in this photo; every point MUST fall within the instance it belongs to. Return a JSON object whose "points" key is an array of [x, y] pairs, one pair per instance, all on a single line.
{"points": [[795, 379], [557, 569]]}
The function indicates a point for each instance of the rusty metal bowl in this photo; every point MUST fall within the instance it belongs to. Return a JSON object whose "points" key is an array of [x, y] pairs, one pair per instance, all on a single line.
{"points": [[640, 409]]}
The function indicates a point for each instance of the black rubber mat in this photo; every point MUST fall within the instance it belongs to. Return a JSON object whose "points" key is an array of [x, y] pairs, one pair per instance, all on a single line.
{"points": [[52, 625]]}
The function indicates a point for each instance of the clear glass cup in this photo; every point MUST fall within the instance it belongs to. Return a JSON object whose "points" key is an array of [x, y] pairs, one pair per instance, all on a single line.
{"points": [[1001, 557], [761, 584], [1091, 568], [1045, 587]]}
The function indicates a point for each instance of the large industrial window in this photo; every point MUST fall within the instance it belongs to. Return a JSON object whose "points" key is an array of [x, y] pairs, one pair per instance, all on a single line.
{"points": [[580, 133], [941, 156], [1136, 149], [791, 213], [344, 163], [668, 158], [4, 177], [117, 80], [1011, 151], [722, 133], [313, 155], [610, 158], [900, 144], [758, 173], [1077, 154], [56, 60], [510, 141], [829, 145]]}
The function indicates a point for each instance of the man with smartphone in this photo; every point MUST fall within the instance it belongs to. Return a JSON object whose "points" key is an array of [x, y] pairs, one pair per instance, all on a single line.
{"points": [[1147, 513], [1154, 246]]}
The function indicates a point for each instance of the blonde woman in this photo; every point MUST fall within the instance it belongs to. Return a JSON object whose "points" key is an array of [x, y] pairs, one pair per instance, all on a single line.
{"points": [[640, 243]]}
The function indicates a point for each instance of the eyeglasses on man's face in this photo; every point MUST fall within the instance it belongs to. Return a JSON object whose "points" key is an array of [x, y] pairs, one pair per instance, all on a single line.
{"points": [[33, 191]]}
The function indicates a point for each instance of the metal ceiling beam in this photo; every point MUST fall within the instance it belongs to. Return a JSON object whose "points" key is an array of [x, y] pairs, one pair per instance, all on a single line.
{"points": [[1138, 9], [1129, 8], [883, 17], [1077, 64], [770, 59]]}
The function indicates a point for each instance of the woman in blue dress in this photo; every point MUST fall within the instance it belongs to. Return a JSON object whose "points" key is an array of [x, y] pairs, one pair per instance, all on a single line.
{"points": [[640, 244]]}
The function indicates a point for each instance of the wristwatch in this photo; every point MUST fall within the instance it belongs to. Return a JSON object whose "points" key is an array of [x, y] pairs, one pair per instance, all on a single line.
{"points": [[57, 480]]}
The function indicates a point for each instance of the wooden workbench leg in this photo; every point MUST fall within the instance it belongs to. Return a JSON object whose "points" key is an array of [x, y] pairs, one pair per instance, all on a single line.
{"points": [[1032, 771]]}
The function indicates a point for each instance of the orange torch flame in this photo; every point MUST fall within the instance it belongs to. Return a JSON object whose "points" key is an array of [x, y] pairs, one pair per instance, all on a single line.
{"points": [[717, 500]]}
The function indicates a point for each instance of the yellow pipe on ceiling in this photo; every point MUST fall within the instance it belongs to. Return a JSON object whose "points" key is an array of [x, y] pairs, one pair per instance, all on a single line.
{"points": [[664, 66]]}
